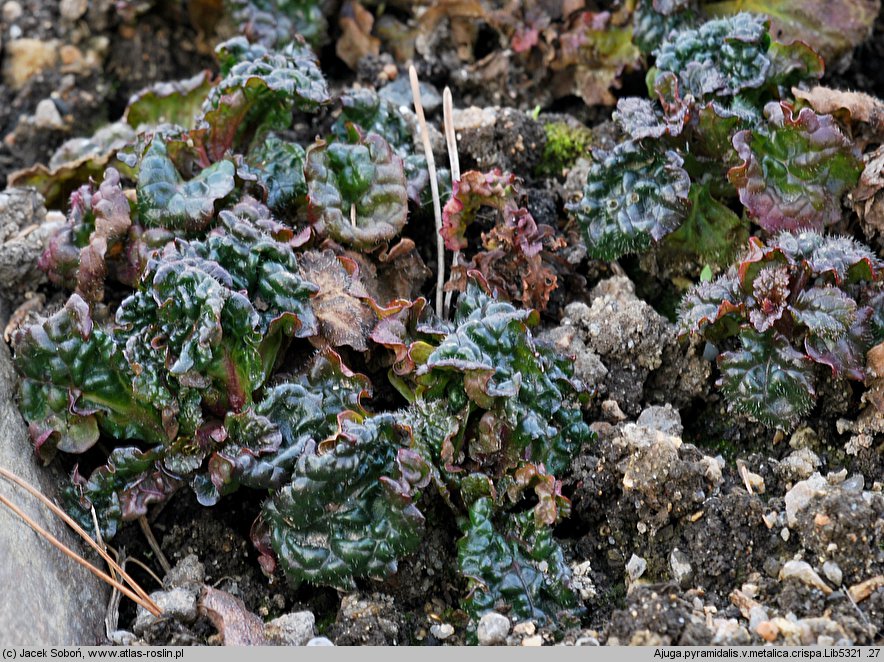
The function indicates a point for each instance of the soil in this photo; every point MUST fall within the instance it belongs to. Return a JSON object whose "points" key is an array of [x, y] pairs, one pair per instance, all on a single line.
{"points": [[688, 522]]}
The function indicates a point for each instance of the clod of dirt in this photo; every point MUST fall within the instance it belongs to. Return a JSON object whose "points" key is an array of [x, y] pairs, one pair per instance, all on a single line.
{"points": [[503, 138], [370, 620], [619, 342], [657, 617], [25, 58], [187, 573], [295, 629], [845, 524], [798, 465], [636, 488], [177, 603]]}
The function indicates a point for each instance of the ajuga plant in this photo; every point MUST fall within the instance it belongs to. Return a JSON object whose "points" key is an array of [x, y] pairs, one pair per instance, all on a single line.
{"points": [[719, 131], [518, 256], [214, 255], [801, 308]]}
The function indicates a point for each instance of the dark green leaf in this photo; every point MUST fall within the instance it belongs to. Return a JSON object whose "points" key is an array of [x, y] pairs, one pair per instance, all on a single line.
{"points": [[767, 380]]}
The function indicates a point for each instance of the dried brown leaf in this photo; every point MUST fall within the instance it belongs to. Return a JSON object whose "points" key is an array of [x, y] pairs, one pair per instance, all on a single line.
{"points": [[342, 304], [356, 40]]}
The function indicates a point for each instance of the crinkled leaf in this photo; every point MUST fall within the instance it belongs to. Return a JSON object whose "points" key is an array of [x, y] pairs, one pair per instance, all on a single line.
{"points": [[75, 382], [651, 26], [178, 102], [290, 76], [708, 302], [492, 360], [473, 191], [280, 166], [518, 566], [518, 259], [119, 491], [57, 184], [372, 113], [248, 439], [356, 190], [594, 53], [258, 94], [639, 118], [410, 333], [730, 56], [634, 195], [341, 305], [827, 312], [261, 265], [832, 29], [306, 409], [767, 380], [271, 22], [166, 200], [770, 297], [796, 170], [844, 258], [112, 221], [189, 323], [844, 353], [348, 511]]}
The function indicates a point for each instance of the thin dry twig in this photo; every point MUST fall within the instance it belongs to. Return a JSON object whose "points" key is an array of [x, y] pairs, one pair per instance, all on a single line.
{"points": [[67, 519], [148, 604], [434, 185], [154, 545], [454, 162]]}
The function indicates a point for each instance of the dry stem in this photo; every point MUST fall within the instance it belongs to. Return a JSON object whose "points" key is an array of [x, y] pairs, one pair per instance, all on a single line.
{"points": [[67, 519], [148, 604], [454, 161], [434, 185]]}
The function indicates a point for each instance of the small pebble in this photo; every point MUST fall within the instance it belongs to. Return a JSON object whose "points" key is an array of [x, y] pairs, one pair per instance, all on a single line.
{"points": [[294, 629], [493, 629], [442, 631], [536, 640], [320, 641], [12, 11], [525, 629], [636, 567], [833, 572]]}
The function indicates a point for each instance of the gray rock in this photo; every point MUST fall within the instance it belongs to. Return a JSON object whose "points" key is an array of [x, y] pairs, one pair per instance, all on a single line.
{"points": [[12, 11], [295, 629], [47, 599], [320, 641], [46, 116], [179, 603], [188, 572], [24, 232], [833, 573], [493, 629], [636, 567], [73, 9], [799, 465], [803, 572], [442, 631], [757, 616], [680, 565], [800, 495], [665, 419], [399, 92]]}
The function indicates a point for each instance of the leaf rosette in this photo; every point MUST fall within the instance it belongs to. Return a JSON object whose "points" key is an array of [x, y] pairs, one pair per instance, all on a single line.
{"points": [[356, 190]]}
